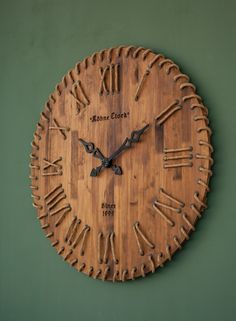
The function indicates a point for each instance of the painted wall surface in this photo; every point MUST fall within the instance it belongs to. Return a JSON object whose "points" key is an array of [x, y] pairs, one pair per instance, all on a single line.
{"points": [[40, 41]]}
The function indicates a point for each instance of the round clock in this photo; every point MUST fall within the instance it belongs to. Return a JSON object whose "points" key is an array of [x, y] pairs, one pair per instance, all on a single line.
{"points": [[120, 163]]}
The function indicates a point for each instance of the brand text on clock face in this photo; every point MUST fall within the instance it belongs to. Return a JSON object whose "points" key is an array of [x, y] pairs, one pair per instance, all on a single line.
{"points": [[111, 116]]}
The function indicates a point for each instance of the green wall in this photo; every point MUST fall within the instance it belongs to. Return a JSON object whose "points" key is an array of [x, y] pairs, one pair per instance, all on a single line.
{"points": [[40, 41]]}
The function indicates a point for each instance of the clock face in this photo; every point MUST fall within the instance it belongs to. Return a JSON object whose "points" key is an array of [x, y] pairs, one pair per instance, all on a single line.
{"points": [[120, 163]]}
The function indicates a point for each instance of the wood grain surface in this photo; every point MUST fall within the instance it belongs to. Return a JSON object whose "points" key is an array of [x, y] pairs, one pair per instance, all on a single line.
{"points": [[120, 227]]}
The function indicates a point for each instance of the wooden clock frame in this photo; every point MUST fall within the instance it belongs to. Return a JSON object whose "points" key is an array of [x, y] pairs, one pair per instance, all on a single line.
{"points": [[159, 175]]}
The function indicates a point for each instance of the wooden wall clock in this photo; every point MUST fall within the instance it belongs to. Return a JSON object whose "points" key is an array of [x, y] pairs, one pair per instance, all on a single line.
{"points": [[120, 163]]}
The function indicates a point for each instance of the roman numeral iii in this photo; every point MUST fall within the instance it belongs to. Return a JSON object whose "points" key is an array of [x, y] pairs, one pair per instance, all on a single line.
{"points": [[178, 157]]}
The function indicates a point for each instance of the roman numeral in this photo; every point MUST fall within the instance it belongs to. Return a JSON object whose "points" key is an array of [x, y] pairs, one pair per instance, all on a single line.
{"points": [[75, 235], [109, 80], [72, 230], [146, 74], [167, 112], [139, 235], [106, 243], [141, 84], [53, 200], [159, 206], [62, 130], [79, 95], [52, 168], [178, 157]]}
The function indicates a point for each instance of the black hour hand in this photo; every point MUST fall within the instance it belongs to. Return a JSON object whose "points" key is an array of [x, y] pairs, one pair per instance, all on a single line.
{"points": [[116, 169], [96, 171], [90, 148]]}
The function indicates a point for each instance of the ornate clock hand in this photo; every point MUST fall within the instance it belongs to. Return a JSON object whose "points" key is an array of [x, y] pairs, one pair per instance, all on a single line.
{"points": [[106, 163], [98, 154], [96, 171], [90, 148], [123, 146], [116, 169], [134, 138]]}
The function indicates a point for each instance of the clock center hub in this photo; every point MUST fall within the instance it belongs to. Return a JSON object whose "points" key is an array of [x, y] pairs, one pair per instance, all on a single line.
{"points": [[107, 163]]}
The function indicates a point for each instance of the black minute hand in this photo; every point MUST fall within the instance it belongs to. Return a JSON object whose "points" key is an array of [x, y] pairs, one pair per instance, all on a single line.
{"points": [[134, 138]]}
